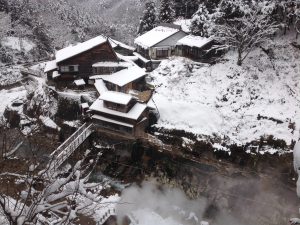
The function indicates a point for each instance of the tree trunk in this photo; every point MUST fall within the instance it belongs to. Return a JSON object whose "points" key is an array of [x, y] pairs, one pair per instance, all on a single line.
{"points": [[239, 61]]}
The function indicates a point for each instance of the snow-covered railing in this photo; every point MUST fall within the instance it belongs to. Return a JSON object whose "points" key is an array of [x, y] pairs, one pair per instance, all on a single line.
{"points": [[63, 152]]}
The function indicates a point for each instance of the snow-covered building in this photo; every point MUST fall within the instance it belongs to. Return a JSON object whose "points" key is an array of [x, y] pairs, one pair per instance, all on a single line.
{"points": [[122, 102], [95, 56], [119, 112], [195, 47], [131, 78], [160, 42]]}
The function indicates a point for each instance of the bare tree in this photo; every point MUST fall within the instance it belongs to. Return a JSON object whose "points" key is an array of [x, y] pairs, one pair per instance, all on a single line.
{"points": [[245, 33], [49, 196]]}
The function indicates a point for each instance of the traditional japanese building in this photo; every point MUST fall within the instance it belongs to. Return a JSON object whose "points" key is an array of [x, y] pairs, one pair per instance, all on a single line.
{"points": [[158, 43], [95, 56], [119, 112], [195, 47]]}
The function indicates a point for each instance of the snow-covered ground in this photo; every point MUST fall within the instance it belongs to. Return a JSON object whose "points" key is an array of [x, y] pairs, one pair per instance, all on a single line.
{"points": [[10, 75], [225, 100], [8, 96]]}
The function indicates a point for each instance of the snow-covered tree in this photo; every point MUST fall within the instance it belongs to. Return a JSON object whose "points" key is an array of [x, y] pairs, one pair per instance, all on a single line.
{"points": [[245, 33], [186, 8], [148, 21], [4, 24], [297, 20], [200, 22], [166, 11], [230, 9], [50, 197]]}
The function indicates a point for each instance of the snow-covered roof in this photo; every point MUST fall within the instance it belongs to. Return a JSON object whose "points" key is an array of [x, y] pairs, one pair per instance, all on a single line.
{"points": [[155, 36], [97, 117], [141, 57], [85, 105], [194, 41], [111, 64], [49, 122], [71, 51], [55, 74], [124, 76], [115, 43], [79, 82], [127, 58], [133, 114], [51, 65], [100, 86], [116, 97]]}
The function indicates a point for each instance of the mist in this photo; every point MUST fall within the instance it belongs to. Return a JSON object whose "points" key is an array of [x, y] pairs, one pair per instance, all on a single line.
{"points": [[152, 203], [225, 202]]}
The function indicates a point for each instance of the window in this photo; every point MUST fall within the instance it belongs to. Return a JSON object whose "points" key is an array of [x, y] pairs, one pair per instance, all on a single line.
{"points": [[72, 68], [64, 69], [162, 53], [76, 68]]}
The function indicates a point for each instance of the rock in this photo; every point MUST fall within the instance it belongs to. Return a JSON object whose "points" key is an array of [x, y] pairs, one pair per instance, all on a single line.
{"points": [[68, 108], [13, 113], [12, 116]]}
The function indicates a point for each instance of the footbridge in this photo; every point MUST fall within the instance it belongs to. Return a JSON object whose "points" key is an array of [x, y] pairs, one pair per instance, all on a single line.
{"points": [[63, 152]]}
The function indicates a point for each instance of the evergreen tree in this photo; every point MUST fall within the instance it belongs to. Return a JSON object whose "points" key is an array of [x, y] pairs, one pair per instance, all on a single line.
{"points": [[231, 9], [166, 11], [200, 22], [297, 20], [148, 21], [211, 5], [186, 8], [4, 6]]}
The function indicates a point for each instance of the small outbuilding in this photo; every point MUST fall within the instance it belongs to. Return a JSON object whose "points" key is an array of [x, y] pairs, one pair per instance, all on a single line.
{"points": [[159, 43], [195, 47]]}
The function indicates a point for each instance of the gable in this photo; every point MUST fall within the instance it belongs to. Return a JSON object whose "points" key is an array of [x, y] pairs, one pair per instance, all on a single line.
{"points": [[102, 52], [71, 51], [155, 36]]}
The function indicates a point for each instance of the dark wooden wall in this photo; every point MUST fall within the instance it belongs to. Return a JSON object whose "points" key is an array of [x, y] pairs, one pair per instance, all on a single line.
{"points": [[85, 60]]}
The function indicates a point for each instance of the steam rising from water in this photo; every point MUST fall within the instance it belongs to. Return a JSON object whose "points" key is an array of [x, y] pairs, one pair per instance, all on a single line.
{"points": [[238, 202], [152, 204]]}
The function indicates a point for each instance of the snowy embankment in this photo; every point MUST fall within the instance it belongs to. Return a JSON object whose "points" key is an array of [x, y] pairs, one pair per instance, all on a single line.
{"points": [[236, 104]]}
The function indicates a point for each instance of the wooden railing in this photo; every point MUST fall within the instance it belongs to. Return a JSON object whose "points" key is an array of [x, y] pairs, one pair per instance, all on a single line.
{"points": [[63, 152]]}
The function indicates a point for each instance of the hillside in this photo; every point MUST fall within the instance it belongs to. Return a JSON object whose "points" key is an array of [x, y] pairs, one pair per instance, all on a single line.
{"points": [[50, 25], [233, 104]]}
